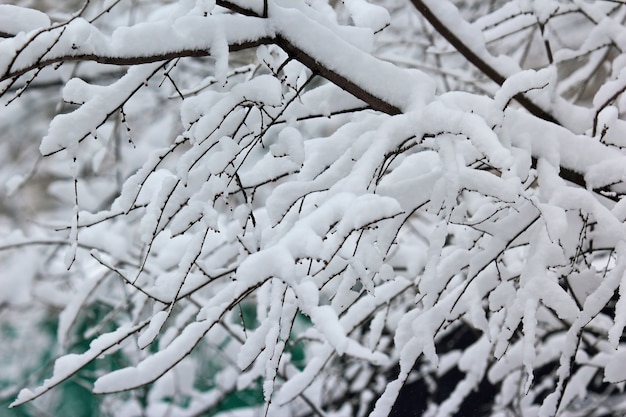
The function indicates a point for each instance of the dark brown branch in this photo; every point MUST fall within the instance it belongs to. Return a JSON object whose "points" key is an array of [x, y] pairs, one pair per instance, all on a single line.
{"points": [[130, 60], [237, 9], [376, 103], [493, 74], [340, 81], [477, 61]]}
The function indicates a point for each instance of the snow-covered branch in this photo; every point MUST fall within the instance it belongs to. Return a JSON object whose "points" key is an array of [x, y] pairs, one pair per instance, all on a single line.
{"points": [[315, 205]]}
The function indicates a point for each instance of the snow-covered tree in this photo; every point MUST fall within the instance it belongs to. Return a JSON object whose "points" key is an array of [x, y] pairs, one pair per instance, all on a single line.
{"points": [[313, 208]]}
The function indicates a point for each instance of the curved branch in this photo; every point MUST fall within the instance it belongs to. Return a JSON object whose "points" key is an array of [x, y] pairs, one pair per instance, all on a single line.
{"points": [[279, 32], [130, 60], [486, 68], [234, 7], [388, 98], [336, 78], [465, 50]]}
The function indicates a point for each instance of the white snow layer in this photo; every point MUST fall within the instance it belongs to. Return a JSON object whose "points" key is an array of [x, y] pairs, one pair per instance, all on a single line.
{"points": [[15, 19]]}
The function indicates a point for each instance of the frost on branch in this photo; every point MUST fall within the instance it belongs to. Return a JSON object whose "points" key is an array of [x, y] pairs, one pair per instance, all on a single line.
{"points": [[318, 206]]}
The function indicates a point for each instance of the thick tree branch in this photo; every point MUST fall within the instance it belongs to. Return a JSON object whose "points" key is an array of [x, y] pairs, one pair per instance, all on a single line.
{"points": [[476, 60], [497, 77], [339, 80], [234, 7], [132, 60], [297, 53]]}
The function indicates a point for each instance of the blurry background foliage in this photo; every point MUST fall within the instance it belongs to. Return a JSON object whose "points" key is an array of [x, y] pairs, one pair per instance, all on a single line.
{"points": [[28, 350]]}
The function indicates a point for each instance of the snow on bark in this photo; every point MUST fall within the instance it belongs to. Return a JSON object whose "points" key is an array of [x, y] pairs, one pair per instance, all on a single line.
{"points": [[67, 130], [156, 365], [68, 365], [313, 200], [351, 64]]}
